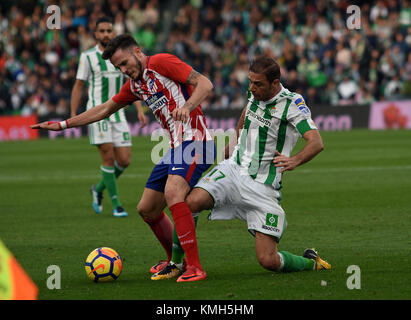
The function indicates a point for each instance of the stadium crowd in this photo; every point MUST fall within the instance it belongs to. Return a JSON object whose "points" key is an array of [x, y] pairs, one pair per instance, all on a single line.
{"points": [[319, 56]]}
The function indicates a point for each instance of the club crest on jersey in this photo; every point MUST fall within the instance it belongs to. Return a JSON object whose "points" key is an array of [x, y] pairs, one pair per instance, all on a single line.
{"points": [[156, 101], [301, 106], [152, 85]]}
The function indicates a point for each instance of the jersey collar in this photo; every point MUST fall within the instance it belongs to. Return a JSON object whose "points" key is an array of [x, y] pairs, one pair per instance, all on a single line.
{"points": [[98, 49]]}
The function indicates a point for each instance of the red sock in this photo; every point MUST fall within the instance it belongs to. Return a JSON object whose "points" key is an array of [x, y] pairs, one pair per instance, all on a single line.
{"points": [[163, 229], [186, 231]]}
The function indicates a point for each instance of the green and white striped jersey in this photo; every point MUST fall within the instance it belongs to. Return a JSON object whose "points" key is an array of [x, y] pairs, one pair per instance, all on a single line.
{"points": [[271, 125], [104, 80]]}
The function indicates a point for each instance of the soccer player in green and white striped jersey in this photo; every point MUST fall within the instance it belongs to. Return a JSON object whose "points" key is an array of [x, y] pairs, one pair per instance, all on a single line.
{"points": [[247, 185], [111, 135]]}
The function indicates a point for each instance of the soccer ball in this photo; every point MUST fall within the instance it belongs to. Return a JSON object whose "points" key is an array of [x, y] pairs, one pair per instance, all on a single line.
{"points": [[103, 265]]}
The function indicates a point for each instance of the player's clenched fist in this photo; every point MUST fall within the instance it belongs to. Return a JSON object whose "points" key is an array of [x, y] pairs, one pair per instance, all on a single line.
{"points": [[181, 114]]}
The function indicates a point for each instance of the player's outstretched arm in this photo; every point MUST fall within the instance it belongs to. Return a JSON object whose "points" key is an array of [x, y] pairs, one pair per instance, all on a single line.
{"points": [[313, 146], [97, 113]]}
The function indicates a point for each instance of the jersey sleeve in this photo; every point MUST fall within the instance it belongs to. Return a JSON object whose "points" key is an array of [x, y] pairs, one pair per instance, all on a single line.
{"points": [[125, 96], [83, 71], [300, 116], [170, 66]]}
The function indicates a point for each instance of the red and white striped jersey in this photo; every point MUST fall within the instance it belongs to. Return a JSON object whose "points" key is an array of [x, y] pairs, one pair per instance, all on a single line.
{"points": [[162, 87]]}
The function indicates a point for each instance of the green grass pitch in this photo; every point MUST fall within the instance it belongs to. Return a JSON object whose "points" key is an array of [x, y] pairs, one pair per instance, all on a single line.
{"points": [[352, 203]]}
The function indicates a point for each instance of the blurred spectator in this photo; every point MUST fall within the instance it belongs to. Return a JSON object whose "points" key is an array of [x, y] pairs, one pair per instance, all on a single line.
{"points": [[406, 89], [295, 82], [119, 25], [322, 27], [312, 97], [363, 96], [239, 101], [407, 69], [386, 64], [265, 26], [343, 54], [15, 99], [330, 95], [146, 38], [135, 17], [405, 14], [62, 107], [347, 90], [397, 57], [80, 15], [393, 88], [85, 38], [379, 10], [151, 13]]}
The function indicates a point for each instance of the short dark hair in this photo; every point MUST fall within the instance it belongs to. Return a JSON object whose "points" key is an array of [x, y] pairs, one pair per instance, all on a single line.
{"points": [[267, 66], [123, 41], [103, 19]]}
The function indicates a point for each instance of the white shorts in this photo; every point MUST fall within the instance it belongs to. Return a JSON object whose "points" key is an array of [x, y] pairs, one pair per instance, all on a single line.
{"points": [[105, 131], [238, 196]]}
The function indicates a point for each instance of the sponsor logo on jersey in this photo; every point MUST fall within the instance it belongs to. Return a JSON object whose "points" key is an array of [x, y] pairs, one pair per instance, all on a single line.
{"points": [[156, 101], [258, 119], [110, 74]]}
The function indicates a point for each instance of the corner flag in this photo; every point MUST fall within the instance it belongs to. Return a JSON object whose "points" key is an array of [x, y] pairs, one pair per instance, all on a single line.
{"points": [[15, 284]]}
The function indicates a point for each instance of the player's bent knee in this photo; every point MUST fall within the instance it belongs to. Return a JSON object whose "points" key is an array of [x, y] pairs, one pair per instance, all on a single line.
{"points": [[268, 261], [194, 204], [123, 162], [199, 200], [145, 212]]}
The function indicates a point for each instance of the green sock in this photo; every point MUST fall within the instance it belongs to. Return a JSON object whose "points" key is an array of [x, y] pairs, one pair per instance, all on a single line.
{"points": [[178, 252], [117, 172], [109, 181], [100, 185], [292, 263]]}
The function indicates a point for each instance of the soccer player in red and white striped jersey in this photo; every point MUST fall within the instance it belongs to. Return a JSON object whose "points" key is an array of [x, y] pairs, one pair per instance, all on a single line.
{"points": [[174, 91], [163, 86]]}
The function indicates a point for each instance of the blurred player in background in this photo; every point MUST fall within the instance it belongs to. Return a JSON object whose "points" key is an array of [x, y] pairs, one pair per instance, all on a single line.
{"points": [[174, 91], [110, 135], [247, 185]]}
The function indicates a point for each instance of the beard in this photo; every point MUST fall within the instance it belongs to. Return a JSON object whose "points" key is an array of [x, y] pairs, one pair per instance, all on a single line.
{"points": [[104, 42], [139, 67]]}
